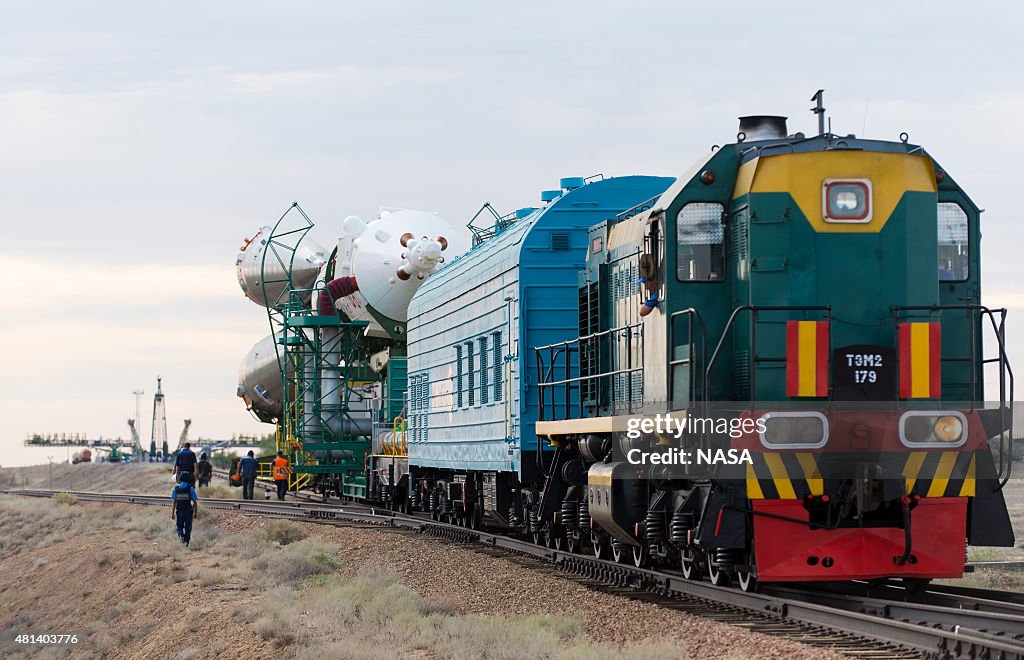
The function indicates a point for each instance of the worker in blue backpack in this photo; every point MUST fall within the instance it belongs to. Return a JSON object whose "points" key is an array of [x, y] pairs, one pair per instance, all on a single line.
{"points": [[248, 467], [184, 505]]}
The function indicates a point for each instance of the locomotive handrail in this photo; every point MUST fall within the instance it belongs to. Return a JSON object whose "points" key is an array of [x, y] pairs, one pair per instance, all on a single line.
{"points": [[754, 309], [1006, 382], [691, 314], [639, 208], [545, 371], [554, 350]]}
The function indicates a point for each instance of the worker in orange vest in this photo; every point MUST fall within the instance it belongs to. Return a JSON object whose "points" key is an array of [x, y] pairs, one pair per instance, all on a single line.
{"points": [[280, 473]]}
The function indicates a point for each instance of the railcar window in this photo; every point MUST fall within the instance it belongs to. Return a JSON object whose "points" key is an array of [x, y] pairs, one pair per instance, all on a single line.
{"points": [[483, 370], [458, 376], [498, 362], [699, 236], [471, 373], [953, 247]]}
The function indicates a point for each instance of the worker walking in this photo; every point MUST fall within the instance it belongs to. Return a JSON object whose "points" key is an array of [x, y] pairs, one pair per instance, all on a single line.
{"points": [[205, 470], [184, 504], [280, 473], [185, 462], [247, 468]]}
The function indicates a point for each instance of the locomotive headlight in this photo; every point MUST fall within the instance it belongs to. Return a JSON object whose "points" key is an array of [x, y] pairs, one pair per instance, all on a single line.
{"points": [[846, 200], [793, 430], [933, 428], [948, 428]]}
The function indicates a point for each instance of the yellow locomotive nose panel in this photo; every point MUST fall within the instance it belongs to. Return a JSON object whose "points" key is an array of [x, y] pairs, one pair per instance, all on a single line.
{"points": [[864, 186]]}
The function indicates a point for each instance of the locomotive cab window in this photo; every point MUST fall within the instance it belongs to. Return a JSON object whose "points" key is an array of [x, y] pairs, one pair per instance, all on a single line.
{"points": [[700, 256], [953, 248]]}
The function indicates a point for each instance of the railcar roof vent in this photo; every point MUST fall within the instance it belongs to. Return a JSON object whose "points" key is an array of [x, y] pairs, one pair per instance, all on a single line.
{"points": [[550, 195], [763, 127], [559, 241], [572, 182]]}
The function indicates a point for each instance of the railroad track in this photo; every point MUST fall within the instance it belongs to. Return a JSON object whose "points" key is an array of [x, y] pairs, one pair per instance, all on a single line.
{"points": [[967, 623]]}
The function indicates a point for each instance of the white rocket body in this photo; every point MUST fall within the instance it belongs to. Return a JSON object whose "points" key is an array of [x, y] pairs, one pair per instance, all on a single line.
{"points": [[390, 257]]}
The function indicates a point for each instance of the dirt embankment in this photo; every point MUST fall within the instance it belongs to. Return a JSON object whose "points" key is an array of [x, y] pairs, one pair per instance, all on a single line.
{"points": [[251, 587]]}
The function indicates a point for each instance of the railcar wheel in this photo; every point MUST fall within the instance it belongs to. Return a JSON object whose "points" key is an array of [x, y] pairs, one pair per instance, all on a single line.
{"points": [[747, 581], [718, 577], [688, 563], [598, 545]]}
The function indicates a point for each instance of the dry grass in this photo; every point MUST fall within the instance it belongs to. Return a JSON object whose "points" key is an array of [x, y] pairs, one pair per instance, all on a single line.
{"points": [[282, 532], [65, 498], [217, 491], [301, 603]]}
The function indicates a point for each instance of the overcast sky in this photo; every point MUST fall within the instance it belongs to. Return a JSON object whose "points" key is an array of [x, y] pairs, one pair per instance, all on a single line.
{"points": [[141, 141]]}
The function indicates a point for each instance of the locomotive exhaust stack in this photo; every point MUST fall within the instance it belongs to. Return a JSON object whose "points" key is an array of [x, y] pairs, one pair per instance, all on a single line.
{"points": [[762, 127]]}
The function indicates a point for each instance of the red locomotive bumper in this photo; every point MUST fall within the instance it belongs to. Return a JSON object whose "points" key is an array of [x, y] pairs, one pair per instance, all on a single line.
{"points": [[787, 551]]}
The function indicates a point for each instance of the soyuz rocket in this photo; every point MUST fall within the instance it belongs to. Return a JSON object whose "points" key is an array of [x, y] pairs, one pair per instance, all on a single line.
{"points": [[379, 266]]}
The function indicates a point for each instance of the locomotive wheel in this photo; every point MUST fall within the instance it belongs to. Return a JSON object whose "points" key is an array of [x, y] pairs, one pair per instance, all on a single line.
{"points": [[689, 564], [618, 552], [747, 581], [640, 556], [572, 542], [718, 577], [476, 519], [598, 545]]}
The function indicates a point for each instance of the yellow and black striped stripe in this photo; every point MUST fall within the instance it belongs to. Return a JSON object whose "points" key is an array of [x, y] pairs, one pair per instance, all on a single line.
{"points": [[940, 473], [792, 476], [775, 476]]}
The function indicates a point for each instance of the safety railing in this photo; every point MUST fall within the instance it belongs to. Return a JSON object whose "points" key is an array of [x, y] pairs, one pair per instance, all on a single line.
{"points": [[389, 438], [976, 361], [615, 385], [756, 360], [692, 316], [639, 208]]}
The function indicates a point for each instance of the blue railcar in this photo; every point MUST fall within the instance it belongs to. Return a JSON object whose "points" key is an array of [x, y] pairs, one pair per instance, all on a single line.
{"points": [[472, 326]]}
